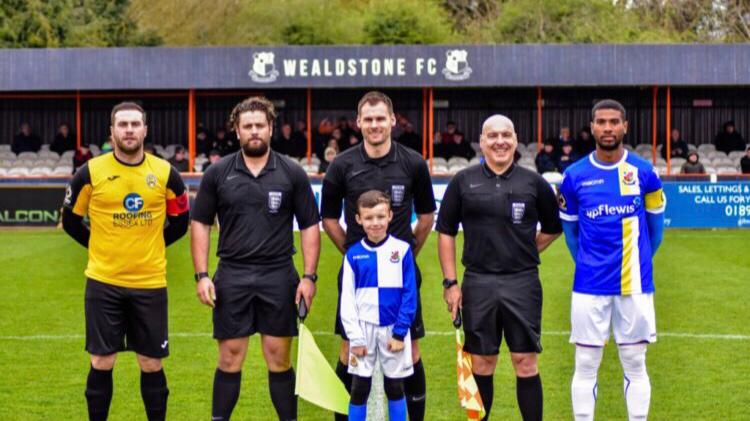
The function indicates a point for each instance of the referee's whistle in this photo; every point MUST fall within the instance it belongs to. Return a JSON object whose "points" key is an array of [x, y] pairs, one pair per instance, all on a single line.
{"points": [[457, 320], [302, 309]]}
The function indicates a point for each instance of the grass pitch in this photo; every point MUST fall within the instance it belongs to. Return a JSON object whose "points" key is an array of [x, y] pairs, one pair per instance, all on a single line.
{"points": [[699, 367]]}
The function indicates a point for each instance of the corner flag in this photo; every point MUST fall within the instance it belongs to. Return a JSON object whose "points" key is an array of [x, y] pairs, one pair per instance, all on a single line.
{"points": [[317, 383], [468, 392]]}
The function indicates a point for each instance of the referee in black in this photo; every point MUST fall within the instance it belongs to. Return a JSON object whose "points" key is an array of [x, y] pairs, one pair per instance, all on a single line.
{"points": [[499, 205], [255, 192], [379, 163]]}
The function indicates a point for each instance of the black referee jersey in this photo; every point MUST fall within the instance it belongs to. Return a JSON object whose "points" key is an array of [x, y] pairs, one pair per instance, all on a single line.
{"points": [[255, 213], [499, 214], [402, 174]]}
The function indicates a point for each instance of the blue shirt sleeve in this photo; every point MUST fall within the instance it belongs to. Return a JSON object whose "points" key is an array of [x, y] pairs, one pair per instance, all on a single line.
{"points": [[408, 307], [567, 200]]}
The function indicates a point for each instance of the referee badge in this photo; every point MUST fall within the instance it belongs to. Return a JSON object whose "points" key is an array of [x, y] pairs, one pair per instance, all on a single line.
{"points": [[518, 209], [397, 194], [274, 201]]}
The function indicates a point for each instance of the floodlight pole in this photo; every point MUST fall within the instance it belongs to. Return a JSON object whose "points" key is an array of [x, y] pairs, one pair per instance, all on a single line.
{"points": [[539, 101], [78, 119], [191, 128]]}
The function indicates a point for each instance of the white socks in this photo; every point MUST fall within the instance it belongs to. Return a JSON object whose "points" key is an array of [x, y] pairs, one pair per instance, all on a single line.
{"points": [[583, 388], [636, 385]]}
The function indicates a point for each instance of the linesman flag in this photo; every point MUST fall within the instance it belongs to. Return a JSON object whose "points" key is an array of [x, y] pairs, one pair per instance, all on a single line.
{"points": [[316, 382], [468, 392]]}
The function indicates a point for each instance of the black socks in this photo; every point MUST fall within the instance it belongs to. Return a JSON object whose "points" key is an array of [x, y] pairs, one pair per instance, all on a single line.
{"points": [[98, 393], [154, 393], [225, 395], [530, 397], [282, 394]]}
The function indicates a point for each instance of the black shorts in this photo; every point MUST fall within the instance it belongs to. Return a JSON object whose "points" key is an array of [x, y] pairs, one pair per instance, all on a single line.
{"points": [[502, 305], [417, 326], [126, 319], [254, 298]]}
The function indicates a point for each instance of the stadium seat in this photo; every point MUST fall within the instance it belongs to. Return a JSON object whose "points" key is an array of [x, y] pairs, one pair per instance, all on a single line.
{"points": [[7, 155], [5, 147], [706, 148], [692, 147], [643, 147], [529, 167], [48, 155], [458, 160], [710, 170], [62, 170], [40, 171], [677, 161], [736, 155], [437, 160], [474, 160], [722, 162], [661, 161], [439, 168], [628, 147], [454, 168], [18, 172], [3, 172], [68, 154], [727, 170], [661, 169], [27, 155], [314, 160]]}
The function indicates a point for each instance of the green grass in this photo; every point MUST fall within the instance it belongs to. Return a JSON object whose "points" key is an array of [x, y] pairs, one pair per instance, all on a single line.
{"points": [[702, 287]]}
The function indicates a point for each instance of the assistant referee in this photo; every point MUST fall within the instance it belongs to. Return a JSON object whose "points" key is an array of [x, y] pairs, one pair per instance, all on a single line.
{"points": [[499, 205], [255, 193], [128, 196]]}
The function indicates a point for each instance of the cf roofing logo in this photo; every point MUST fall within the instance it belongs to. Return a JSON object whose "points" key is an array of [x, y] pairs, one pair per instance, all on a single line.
{"points": [[133, 202], [264, 69]]}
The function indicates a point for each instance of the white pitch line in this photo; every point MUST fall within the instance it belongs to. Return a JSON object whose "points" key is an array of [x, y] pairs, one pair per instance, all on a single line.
{"points": [[720, 336]]}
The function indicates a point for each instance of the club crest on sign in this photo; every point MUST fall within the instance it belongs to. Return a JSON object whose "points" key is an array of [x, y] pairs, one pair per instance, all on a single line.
{"points": [[456, 65], [274, 201], [263, 69]]}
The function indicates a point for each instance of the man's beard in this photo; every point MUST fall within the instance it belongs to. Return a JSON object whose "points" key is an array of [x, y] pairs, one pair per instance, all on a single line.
{"points": [[254, 152], [128, 150], [611, 147]]}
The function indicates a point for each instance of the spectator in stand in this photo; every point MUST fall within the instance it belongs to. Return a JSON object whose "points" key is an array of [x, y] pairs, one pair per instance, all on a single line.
{"points": [[678, 147], [180, 160], [325, 127], [692, 165], [562, 139], [64, 140], [25, 140], [448, 136], [353, 128], [202, 142], [343, 125], [353, 140], [328, 156], [226, 144], [410, 138], [567, 156], [729, 139], [453, 143], [585, 144], [343, 144], [82, 155], [745, 162], [213, 157], [545, 159], [107, 145], [288, 143]]}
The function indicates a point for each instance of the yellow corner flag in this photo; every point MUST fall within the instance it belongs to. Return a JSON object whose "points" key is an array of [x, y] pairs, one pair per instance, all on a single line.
{"points": [[317, 383], [468, 392]]}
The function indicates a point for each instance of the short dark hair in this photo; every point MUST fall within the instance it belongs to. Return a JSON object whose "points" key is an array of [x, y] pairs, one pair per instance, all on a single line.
{"points": [[127, 106], [372, 198], [254, 103], [608, 104], [374, 98]]}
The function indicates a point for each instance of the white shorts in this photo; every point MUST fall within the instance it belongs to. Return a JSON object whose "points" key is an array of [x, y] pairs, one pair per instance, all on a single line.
{"points": [[632, 318], [395, 365]]}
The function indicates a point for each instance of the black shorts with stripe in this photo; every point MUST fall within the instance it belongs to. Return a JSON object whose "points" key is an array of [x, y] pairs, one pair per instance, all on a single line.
{"points": [[126, 319], [497, 306]]}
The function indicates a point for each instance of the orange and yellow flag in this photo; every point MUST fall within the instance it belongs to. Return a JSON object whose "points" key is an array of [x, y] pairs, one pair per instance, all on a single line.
{"points": [[468, 392]]}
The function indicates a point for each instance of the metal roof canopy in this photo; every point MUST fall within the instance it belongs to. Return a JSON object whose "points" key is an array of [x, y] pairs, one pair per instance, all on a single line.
{"points": [[91, 69]]}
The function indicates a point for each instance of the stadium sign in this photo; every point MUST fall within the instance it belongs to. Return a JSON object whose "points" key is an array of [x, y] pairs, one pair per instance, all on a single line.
{"points": [[30, 205], [455, 66]]}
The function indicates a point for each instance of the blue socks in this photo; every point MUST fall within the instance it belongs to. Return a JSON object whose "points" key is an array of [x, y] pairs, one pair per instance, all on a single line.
{"points": [[357, 412], [397, 410]]}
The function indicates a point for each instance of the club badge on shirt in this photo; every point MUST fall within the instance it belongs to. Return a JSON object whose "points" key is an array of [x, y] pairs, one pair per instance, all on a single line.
{"points": [[274, 201], [395, 258], [397, 194], [518, 209]]}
